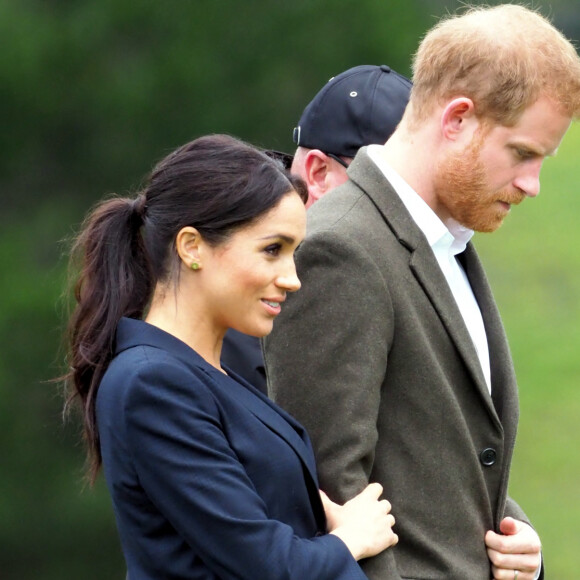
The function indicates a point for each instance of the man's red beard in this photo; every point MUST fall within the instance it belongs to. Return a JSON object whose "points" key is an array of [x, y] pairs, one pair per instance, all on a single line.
{"points": [[462, 189]]}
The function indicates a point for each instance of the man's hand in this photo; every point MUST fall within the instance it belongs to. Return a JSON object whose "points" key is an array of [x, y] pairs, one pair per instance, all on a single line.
{"points": [[518, 547]]}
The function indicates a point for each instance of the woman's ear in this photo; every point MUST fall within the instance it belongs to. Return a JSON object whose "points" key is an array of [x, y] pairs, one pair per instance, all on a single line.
{"points": [[187, 244]]}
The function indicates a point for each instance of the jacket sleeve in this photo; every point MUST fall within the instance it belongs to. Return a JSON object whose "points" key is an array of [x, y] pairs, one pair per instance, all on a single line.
{"points": [[193, 477], [327, 356]]}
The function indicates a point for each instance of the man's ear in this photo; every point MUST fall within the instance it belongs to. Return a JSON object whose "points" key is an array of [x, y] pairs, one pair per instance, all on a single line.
{"points": [[188, 244], [316, 168], [458, 120]]}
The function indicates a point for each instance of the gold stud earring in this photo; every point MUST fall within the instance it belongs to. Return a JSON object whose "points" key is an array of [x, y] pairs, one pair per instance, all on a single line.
{"points": [[194, 266]]}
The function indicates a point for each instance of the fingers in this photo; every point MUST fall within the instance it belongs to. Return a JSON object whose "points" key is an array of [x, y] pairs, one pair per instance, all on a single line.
{"points": [[385, 506], [510, 574], [364, 523], [495, 542], [372, 490], [518, 548], [524, 541], [509, 526], [504, 564]]}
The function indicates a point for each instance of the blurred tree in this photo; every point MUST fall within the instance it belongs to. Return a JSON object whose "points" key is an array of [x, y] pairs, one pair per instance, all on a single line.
{"points": [[95, 91]]}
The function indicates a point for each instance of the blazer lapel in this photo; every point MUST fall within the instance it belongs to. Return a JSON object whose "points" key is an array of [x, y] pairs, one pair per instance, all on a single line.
{"points": [[364, 172], [275, 419], [286, 427], [429, 275], [503, 379]]}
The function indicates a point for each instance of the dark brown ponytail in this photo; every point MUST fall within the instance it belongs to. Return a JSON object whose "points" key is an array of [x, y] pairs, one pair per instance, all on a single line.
{"points": [[114, 281]]}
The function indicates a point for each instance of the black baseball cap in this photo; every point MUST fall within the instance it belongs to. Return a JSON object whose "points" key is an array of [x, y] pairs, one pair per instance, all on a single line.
{"points": [[361, 106]]}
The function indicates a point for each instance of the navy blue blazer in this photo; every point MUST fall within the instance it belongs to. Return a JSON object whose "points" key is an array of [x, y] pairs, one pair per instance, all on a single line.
{"points": [[243, 354], [209, 478]]}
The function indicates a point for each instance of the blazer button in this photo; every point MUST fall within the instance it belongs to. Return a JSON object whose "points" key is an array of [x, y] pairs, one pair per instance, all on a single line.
{"points": [[488, 456]]}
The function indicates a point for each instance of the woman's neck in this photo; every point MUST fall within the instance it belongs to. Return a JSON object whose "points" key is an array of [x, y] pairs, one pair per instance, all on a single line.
{"points": [[189, 323]]}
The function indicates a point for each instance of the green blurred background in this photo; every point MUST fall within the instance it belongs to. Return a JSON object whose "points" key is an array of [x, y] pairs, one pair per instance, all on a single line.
{"points": [[93, 92]]}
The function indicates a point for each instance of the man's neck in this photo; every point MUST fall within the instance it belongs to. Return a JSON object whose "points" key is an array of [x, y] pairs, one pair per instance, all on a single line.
{"points": [[410, 156]]}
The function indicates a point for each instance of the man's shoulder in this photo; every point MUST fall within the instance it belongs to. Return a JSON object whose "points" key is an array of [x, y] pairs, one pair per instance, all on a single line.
{"points": [[346, 204]]}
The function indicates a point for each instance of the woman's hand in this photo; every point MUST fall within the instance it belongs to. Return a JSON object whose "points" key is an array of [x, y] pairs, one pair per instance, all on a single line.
{"points": [[363, 523]]}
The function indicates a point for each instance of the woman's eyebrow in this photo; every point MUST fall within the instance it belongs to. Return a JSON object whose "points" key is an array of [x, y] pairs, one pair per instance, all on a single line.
{"points": [[288, 239]]}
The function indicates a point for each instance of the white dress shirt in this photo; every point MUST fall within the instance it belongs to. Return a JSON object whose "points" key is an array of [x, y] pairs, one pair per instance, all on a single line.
{"points": [[447, 241]]}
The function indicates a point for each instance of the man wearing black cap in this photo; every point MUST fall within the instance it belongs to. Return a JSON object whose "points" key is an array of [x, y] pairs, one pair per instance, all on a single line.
{"points": [[361, 106]]}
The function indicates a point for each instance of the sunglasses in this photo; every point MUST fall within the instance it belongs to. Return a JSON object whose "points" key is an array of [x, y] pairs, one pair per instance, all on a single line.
{"points": [[338, 159], [284, 158]]}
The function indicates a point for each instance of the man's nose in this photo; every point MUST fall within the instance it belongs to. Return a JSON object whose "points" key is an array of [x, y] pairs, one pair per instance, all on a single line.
{"points": [[529, 181]]}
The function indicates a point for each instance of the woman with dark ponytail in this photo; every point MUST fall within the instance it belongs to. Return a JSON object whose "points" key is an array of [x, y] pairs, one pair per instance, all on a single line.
{"points": [[209, 478]]}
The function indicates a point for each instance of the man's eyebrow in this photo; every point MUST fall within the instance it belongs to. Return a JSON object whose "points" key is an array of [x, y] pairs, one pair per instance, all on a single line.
{"points": [[535, 151]]}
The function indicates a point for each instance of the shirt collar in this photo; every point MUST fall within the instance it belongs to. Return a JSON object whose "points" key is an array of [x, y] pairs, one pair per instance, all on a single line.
{"points": [[451, 235]]}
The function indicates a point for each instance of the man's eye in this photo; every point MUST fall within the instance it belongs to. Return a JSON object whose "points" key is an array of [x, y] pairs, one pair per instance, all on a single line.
{"points": [[524, 153]]}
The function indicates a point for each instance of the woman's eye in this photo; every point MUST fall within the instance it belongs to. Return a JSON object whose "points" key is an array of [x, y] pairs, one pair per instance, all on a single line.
{"points": [[273, 249]]}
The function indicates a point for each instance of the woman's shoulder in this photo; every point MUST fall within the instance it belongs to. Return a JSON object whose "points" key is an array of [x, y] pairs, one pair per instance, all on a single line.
{"points": [[145, 372]]}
